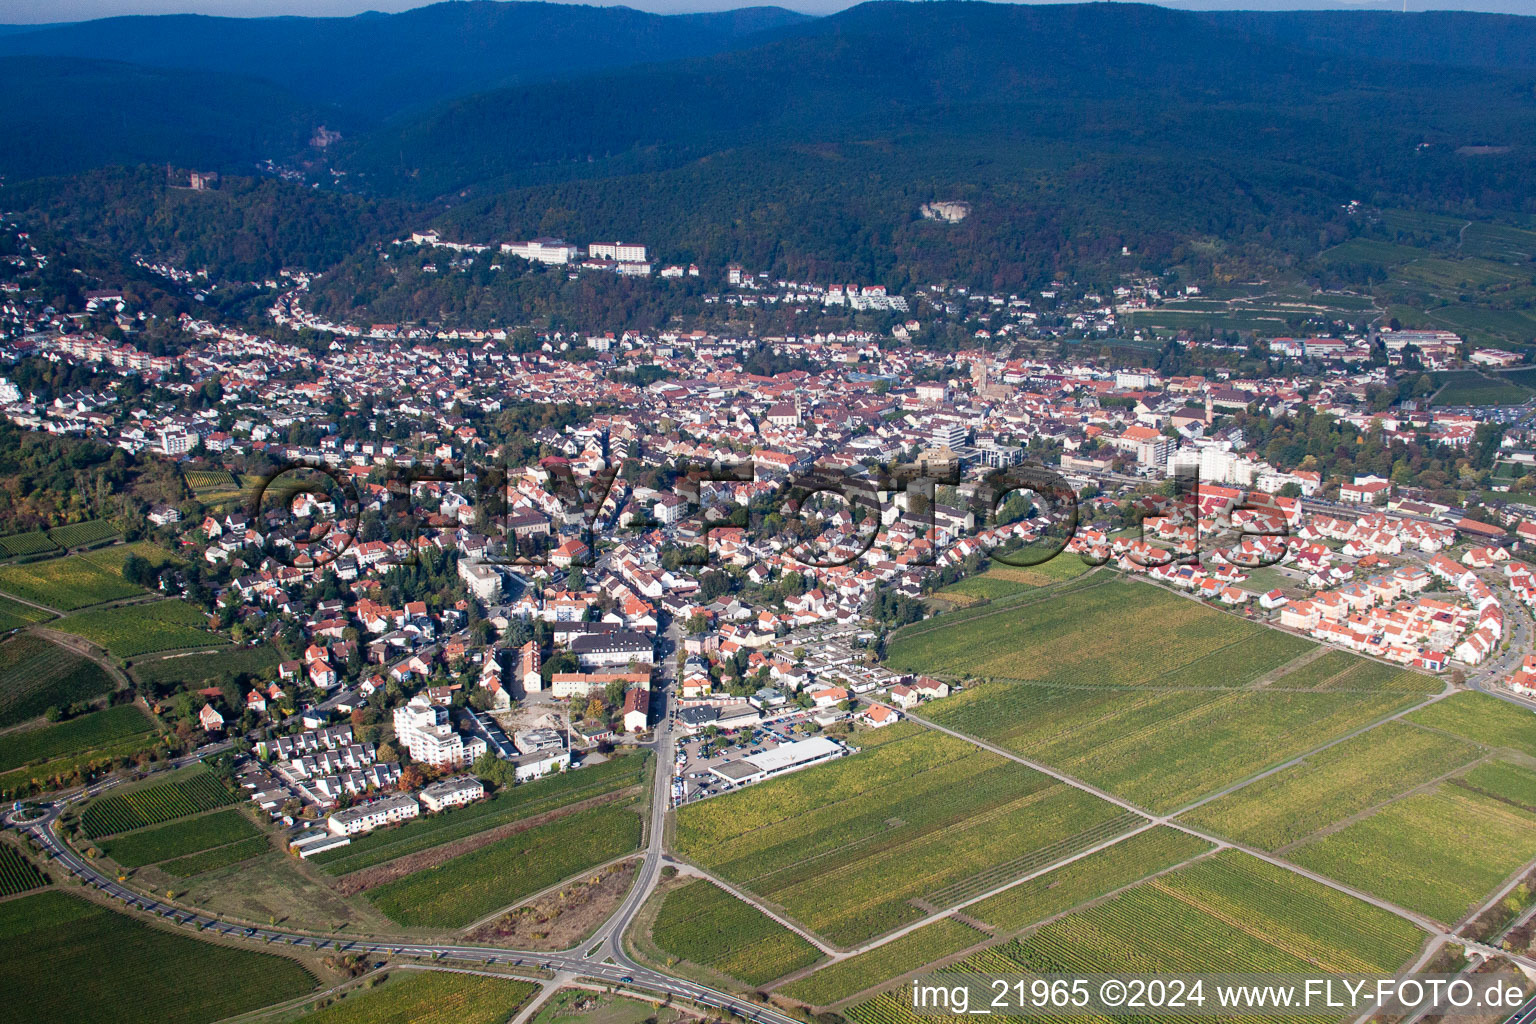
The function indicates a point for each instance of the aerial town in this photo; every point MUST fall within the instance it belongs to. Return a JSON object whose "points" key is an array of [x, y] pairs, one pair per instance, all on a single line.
{"points": [[606, 544]]}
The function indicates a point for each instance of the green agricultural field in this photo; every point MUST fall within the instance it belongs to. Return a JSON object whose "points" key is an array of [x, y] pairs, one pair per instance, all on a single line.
{"points": [[98, 730], [1482, 719], [703, 923], [1449, 277], [1511, 783], [132, 629], [429, 997], [470, 886], [112, 558], [1524, 377], [1366, 676], [1318, 672], [200, 480], [837, 981], [14, 615], [522, 801], [1514, 325], [36, 675], [984, 587], [165, 842], [1111, 632], [1161, 749], [1366, 250], [1332, 785], [207, 668], [1006, 580], [1469, 387], [1226, 913], [1499, 242], [218, 857], [1439, 853], [193, 791], [20, 545], [81, 534], [66, 961], [16, 872], [66, 583], [1125, 863], [845, 847]]}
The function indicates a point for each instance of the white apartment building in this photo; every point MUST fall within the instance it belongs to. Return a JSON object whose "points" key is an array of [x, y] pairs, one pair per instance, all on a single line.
{"points": [[425, 730], [539, 763], [454, 792], [176, 441], [623, 252], [368, 817], [483, 581], [949, 435], [554, 251]]}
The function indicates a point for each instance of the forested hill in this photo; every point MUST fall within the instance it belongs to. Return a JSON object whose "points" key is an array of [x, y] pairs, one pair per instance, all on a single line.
{"points": [[373, 65], [1434, 37], [807, 146], [58, 116], [1117, 75]]}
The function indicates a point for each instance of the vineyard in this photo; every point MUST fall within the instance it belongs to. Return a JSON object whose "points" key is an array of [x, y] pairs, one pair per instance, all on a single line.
{"points": [[207, 668], [103, 966], [1161, 749], [1503, 781], [133, 629], [95, 731], [1179, 923], [473, 885], [847, 847], [429, 997], [66, 583], [20, 545], [81, 534], [1332, 785], [195, 835], [1439, 853], [1128, 861], [16, 872], [36, 675], [214, 487], [219, 857], [705, 924], [522, 801], [14, 614], [1318, 671], [1124, 632], [1481, 719], [150, 806], [201, 480], [944, 937]]}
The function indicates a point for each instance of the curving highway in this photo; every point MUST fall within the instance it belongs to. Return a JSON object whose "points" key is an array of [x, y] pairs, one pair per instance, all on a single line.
{"points": [[605, 960]]}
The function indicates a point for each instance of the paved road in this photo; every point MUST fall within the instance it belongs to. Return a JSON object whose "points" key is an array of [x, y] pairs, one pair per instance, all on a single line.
{"points": [[622, 971], [607, 961]]}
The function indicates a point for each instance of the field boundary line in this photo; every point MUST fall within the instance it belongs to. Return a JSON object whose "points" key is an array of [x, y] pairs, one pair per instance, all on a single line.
{"points": [[1381, 805], [1504, 890], [1425, 923], [1088, 581], [1037, 766], [1298, 662], [1362, 730], [493, 915], [1116, 891], [689, 868]]}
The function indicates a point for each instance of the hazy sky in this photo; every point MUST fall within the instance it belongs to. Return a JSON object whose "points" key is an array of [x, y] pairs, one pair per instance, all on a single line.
{"points": [[36, 11]]}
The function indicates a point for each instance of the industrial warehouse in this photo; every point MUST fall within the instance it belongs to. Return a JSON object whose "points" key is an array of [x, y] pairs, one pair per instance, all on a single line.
{"points": [[786, 757]]}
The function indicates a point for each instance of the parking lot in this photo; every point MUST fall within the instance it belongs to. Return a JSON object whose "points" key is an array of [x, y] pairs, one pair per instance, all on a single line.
{"points": [[692, 778]]}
